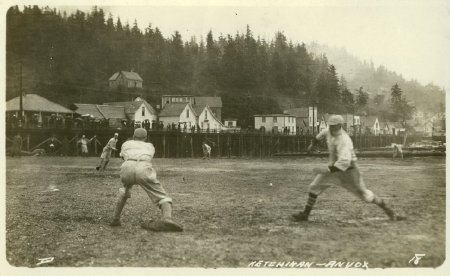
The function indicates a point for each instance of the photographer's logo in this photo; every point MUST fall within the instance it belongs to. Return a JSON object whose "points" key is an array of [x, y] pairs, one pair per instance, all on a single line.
{"points": [[416, 258]]}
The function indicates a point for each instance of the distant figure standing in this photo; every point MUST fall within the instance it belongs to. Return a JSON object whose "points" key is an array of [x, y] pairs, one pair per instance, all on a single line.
{"points": [[397, 150], [206, 150], [107, 150], [52, 145], [16, 145], [84, 145]]}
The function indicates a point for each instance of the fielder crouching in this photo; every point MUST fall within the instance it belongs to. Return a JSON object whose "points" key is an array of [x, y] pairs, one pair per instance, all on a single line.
{"points": [[342, 170], [137, 169]]}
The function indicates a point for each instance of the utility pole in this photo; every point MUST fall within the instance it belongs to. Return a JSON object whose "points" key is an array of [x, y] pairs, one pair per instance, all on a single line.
{"points": [[20, 91]]}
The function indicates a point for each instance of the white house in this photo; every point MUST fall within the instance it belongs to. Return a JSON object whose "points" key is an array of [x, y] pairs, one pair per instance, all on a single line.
{"points": [[138, 110], [178, 113], [371, 125], [276, 122], [207, 120]]}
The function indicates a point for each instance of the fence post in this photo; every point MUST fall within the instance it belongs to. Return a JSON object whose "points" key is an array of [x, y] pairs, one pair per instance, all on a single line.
{"points": [[95, 143], [76, 145], [192, 146], [178, 145], [28, 142], [218, 144], [164, 145]]}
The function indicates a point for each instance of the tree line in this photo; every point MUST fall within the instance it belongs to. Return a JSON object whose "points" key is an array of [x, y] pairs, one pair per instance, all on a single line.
{"points": [[69, 58]]}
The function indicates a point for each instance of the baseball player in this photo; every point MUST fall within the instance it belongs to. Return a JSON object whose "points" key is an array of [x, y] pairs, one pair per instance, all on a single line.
{"points": [[137, 169], [84, 144], [206, 150], [397, 150], [106, 153], [342, 170]]}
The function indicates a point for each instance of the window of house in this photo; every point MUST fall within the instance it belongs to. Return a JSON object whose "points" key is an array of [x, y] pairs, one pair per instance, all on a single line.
{"points": [[230, 124], [143, 111], [206, 115], [263, 119], [274, 119], [187, 113]]}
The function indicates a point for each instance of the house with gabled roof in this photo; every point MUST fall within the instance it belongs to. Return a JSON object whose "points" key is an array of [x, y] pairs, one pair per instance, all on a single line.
{"points": [[137, 110], [125, 79], [207, 119], [371, 125], [178, 113], [214, 103]]}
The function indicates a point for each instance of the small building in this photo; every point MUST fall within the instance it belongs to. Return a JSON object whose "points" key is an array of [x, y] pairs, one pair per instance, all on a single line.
{"points": [[138, 110], [303, 118], [178, 114], [36, 108], [125, 79], [207, 120], [214, 103], [395, 128], [370, 125], [277, 123], [230, 123]]}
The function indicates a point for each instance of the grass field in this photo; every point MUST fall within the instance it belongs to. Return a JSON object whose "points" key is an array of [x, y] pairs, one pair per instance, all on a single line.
{"points": [[231, 214]]}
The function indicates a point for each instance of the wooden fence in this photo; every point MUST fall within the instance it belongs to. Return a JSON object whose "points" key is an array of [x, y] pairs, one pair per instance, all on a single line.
{"points": [[189, 145]]}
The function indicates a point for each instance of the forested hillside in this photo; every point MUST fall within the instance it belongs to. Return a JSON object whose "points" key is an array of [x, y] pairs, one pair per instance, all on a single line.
{"points": [[379, 80], [70, 57]]}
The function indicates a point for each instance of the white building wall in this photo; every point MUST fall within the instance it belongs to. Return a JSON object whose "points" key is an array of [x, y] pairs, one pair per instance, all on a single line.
{"points": [[147, 115], [279, 124], [188, 117], [206, 119]]}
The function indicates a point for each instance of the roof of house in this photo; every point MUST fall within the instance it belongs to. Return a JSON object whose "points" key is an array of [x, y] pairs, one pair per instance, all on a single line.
{"points": [[394, 124], [112, 112], [34, 102], [198, 109], [101, 111], [301, 112], [230, 119], [132, 106], [172, 109], [213, 102], [88, 109], [127, 75]]}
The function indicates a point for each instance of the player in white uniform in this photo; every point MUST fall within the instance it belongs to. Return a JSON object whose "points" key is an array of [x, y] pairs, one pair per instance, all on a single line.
{"points": [[206, 150], [84, 145], [137, 169], [106, 153], [342, 170]]}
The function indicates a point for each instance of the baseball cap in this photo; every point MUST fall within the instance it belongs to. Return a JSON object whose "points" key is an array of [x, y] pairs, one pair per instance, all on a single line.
{"points": [[116, 134], [335, 120], [140, 133]]}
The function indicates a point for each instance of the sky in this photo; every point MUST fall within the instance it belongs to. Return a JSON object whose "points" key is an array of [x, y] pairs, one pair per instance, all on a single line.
{"points": [[409, 37]]}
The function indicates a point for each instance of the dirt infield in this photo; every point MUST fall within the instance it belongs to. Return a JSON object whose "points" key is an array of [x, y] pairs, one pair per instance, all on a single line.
{"points": [[60, 207]]}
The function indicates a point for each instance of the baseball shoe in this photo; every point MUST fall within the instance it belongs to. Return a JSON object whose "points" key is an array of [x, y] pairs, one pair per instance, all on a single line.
{"points": [[300, 216], [115, 222], [165, 225]]}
